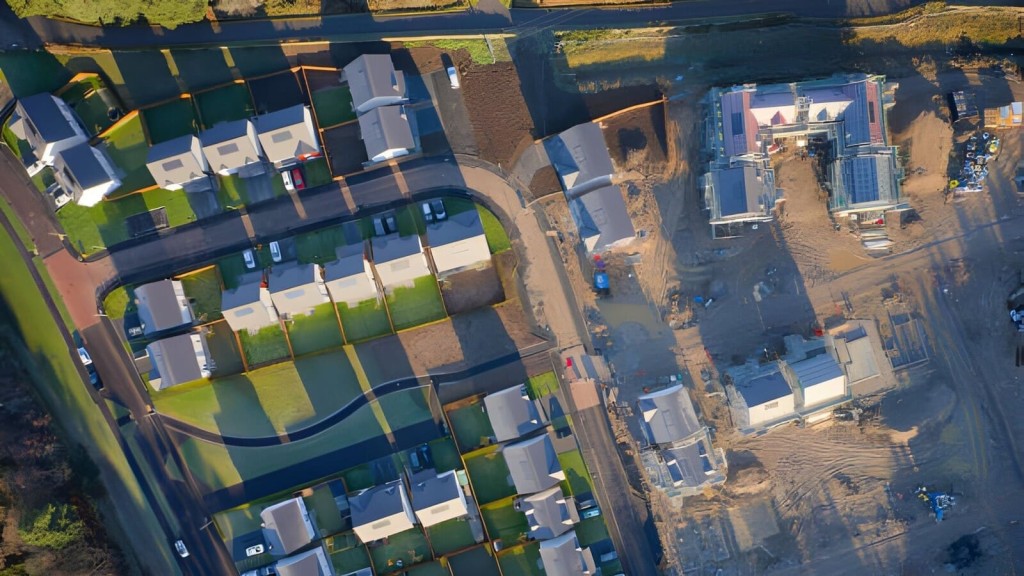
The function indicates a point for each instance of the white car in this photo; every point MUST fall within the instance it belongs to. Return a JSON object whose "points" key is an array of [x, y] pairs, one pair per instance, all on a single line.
{"points": [[179, 546], [453, 77], [250, 260], [83, 355], [287, 177], [255, 550], [275, 251], [428, 214]]}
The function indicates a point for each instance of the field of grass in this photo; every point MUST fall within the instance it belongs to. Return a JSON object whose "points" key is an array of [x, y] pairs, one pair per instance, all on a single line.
{"points": [[934, 25], [478, 50], [32, 72], [19, 147], [225, 104], [43, 179], [333, 106], [367, 320], [521, 560], [408, 409], [577, 478], [358, 478], [412, 306], [171, 120], [410, 220], [450, 536], [204, 290], [317, 172], [470, 426], [224, 349], [504, 522], [410, 547], [489, 475], [435, 568], [265, 402], [126, 144], [83, 97], [267, 345], [445, 455], [590, 530], [232, 192], [60, 388], [319, 246], [103, 225], [316, 331], [119, 302], [322, 504], [349, 560], [542, 385], [497, 238]]}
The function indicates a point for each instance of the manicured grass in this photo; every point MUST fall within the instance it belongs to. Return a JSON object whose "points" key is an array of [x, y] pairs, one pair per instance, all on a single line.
{"points": [[225, 104], [445, 455], [224, 350], [119, 302], [60, 388], [450, 536], [358, 478], [367, 320], [410, 547], [419, 304], [319, 246], [85, 99], [232, 192], [322, 504], [520, 560], [269, 401], [267, 345], [577, 478], [410, 220], [408, 409], [171, 120], [497, 238], [490, 477], [316, 331], [503, 521], [590, 530], [43, 179], [435, 568], [32, 72], [477, 49], [20, 147], [333, 106], [204, 290], [239, 521], [103, 225], [126, 144], [349, 560], [317, 172], [216, 466], [542, 385], [470, 426], [232, 268], [19, 228]]}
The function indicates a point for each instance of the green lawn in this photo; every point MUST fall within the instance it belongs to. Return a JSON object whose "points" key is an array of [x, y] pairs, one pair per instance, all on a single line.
{"points": [[577, 478], [61, 390], [489, 475], [224, 104], [435, 568], [43, 179], [445, 455], [119, 302], [84, 98], [409, 219], [224, 350], [267, 345], [349, 560], [358, 478], [470, 426], [273, 400], [103, 225], [171, 120], [317, 172], [367, 320], [591, 530], [319, 246], [333, 106], [419, 304], [542, 385], [450, 536], [521, 560], [20, 147], [504, 522], [477, 49], [238, 521], [232, 192], [32, 72], [325, 510], [497, 238], [410, 547], [126, 144], [316, 331], [204, 290]]}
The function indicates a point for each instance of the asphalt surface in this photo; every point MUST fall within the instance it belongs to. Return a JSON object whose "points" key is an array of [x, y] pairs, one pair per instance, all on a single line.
{"points": [[356, 27]]}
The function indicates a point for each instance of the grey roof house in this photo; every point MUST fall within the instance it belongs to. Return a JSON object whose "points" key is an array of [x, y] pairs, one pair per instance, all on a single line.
{"points": [[248, 306], [373, 81], [296, 289], [162, 305], [231, 147], [48, 124], [85, 173], [386, 133], [310, 563], [398, 260], [287, 526], [549, 513], [349, 279], [381, 511], [179, 163], [179, 359], [458, 242], [512, 413], [563, 556], [437, 497], [743, 192], [288, 136], [533, 464], [668, 415]]}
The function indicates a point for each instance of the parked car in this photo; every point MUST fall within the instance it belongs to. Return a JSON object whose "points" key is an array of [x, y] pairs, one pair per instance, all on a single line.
{"points": [[60, 196], [94, 376], [250, 260], [287, 177], [378, 226], [453, 77], [438, 207], [275, 251], [254, 550], [179, 546], [300, 184], [590, 513], [428, 214], [389, 224]]}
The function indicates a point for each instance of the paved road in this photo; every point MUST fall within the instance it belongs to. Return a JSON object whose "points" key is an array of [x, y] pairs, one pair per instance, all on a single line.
{"points": [[366, 26]]}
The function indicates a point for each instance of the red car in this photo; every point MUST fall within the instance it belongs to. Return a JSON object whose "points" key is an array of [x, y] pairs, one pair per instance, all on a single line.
{"points": [[297, 179]]}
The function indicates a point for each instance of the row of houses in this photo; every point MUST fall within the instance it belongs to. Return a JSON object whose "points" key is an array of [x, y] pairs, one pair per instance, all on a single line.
{"points": [[841, 119], [246, 147]]}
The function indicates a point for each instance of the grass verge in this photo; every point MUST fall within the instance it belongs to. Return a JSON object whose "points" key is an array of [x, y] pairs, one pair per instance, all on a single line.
{"points": [[497, 238]]}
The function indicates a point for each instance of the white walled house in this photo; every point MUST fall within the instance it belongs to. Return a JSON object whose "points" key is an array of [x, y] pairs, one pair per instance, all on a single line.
{"points": [[86, 174], [349, 279], [373, 82], [458, 242], [386, 133], [398, 260], [763, 399], [231, 147], [48, 124], [381, 511], [178, 163], [820, 380], [288, 136]]}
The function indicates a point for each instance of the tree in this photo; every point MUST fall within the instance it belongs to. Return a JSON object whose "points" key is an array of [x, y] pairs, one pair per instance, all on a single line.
{"points": [[166, 13], [56, 526]]}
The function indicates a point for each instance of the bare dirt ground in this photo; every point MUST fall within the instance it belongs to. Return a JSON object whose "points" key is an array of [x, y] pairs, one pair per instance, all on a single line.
{"points": [[471, 289], [501, 121]]}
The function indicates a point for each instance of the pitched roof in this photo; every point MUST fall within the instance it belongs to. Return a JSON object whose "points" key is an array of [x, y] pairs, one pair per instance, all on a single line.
{"points": [[177, 360], [287, 526], [764, 388], [293, 288], [84, 165], [310, 563], [285, 135], [162, 305], [688, 465], [580, 157], [739, 127], [394, 247], [512, 413], [549, 513], [602, 218], [816, 370], [243, 306], [173, 162], [563, 556], [455, 228], [373, 76], [437, 497], [385, 128], [43, 110], [227, 145], [668, 415], [380, 511], [743, 189], [533, 464]]}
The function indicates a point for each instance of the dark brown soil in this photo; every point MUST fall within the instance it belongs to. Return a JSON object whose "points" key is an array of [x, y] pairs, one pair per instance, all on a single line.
{"points": [[545, 181], [471, 289], [319, 80], [344, 149], [501, 121], [639, 131]]}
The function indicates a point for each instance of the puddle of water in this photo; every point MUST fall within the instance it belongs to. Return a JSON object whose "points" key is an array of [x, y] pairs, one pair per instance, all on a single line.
{"points": [[619, 313], [841, 260]]}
